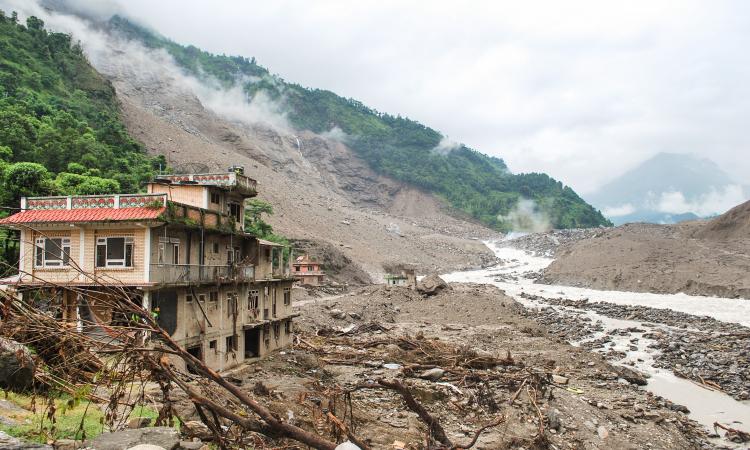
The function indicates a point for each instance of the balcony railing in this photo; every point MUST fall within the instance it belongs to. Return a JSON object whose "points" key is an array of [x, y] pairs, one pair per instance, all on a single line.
{"points": [[195, 273]]}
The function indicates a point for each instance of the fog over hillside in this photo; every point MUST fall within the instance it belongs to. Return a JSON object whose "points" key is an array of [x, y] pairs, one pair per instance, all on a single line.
{"points": [[669, 188]]}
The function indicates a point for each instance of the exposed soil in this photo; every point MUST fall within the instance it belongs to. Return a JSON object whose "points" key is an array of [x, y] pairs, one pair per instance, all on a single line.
{"points": [[319, 188], [581, 400], [696, 258]]}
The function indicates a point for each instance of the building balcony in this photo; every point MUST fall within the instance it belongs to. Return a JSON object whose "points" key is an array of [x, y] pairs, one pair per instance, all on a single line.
{"points": [[195, 273]]}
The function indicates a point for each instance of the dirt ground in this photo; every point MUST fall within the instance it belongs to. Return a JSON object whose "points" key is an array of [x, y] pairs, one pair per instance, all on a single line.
{"points": [[496, 363], [695, 258]]}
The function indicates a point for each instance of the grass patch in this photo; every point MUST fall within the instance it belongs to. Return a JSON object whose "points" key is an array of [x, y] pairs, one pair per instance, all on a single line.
{"points": [[73, 419]]}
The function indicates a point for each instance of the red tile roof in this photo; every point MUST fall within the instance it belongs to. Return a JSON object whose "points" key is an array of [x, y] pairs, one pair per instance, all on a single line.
{"points": [[82, 215]]}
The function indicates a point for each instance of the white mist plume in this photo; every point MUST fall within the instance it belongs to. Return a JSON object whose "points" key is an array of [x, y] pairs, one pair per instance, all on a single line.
{"points": [[132, 63], [336, 134], [716, 201], [527, 217], [445, 146], [619, 211]]}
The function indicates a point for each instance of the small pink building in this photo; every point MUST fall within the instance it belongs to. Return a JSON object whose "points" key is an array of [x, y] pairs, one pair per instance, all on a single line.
{"points": [[307, 271]]}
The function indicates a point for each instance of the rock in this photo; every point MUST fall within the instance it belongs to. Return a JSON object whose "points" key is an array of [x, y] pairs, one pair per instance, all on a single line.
{"points": [[431, 285], [139, 422], [559, 379], [602, 432], [146, 447], [432, 374], [347, 446], [355, 316], [8, 442], [164, 437], [631, 376], [679, 408], [16, 366], [553, 419], [196, 429], [191, 445], [67, 444], [337, 314]]}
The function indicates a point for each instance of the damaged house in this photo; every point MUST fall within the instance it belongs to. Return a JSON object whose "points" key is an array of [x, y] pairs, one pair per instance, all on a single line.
{"points": [[180, 250]]}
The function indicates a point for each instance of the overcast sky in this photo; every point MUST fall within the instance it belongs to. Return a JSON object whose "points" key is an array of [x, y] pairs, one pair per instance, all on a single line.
{"points": [[582, 90]]}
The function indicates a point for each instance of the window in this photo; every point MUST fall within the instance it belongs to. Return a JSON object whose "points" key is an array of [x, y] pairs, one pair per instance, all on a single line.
{"points": [[114, 252], [52, 252], [288, 327], [169, 251], [276, 331], [213, 296], [231, 304], [273, 305], [215, 198], [287, 296], [231, 343], [212, 346], [216, 247], [233, 255], [189, 298], [252, 299], [235, 210], [202, 298], [296, 268]]}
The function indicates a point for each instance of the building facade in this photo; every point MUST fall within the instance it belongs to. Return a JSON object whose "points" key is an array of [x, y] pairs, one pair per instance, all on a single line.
{"points": [[180, 250], [307, 271]]}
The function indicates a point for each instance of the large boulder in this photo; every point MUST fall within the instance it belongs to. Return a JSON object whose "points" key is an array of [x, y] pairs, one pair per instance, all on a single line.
{"points": [[8, 442], [16, 366], [165, 437], [431, 285]]}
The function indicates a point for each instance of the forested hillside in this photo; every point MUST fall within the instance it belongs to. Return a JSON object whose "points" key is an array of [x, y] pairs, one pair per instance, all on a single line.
{"points": [[60, 130], [395, 146]]}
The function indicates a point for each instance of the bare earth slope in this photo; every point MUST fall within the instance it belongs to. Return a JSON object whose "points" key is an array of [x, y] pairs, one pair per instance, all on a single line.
{"points": [[319, 189], [701, 258]]}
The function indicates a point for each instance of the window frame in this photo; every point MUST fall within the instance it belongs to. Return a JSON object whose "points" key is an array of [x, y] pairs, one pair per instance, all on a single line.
{"points": [[40, 250], [113, 263]]}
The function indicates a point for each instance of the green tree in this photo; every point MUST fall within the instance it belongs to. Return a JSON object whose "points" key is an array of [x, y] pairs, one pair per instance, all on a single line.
{"points": [[27, 179]]}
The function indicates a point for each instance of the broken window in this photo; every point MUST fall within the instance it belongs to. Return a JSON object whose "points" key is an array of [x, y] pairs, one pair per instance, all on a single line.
{"points": [[212, 345], [235, 210], [52, 252], [231, 343], [114, 252], [252, 300]]}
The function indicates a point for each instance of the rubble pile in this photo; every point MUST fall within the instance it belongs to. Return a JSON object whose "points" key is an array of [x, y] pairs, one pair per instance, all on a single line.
{"points": [[546, 244]]}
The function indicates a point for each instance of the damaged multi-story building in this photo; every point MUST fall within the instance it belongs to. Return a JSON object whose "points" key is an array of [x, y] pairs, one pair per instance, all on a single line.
{"points": [[180, 249]]}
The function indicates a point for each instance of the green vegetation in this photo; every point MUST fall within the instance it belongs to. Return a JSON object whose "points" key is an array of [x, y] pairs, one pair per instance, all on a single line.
{"points": [[60, 129], [254, 224], [71, 417], [472, 182]]}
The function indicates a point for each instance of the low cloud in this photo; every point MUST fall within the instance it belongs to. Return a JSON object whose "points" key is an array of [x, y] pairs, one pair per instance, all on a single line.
{"points": [[619, 211], [527, 217], [336, 134], [130, 62], [445, 146], [717, 201]]}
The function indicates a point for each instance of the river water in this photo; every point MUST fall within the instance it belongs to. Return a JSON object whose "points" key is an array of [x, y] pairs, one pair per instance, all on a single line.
{"points": [[706, 406]]}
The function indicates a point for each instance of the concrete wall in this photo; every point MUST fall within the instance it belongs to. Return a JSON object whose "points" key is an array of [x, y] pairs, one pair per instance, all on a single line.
{"points": [[83, 254], [189, 195], [210, 331]]}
